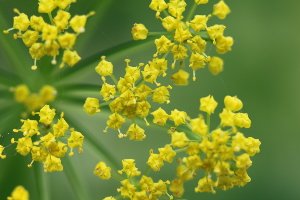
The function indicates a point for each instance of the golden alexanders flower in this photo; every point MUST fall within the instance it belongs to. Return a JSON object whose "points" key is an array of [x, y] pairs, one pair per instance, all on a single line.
{"points": [[49, 147], [47, 39]]}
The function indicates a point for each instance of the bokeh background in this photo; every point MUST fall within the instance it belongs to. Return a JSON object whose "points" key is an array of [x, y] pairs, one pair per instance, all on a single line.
{"points": [[262, 70]]}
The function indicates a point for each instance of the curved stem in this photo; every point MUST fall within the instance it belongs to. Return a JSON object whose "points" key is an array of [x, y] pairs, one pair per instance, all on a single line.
{"points": [[42, 182], [74, 180], [147, 171], [188, 18]]}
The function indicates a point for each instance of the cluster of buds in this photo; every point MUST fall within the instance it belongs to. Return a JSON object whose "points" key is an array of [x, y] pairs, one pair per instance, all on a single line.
{"points": [[186, 37], [34, 101], [128, 97], [145, 188], [48, 148], [223, 153], [47, 39]]}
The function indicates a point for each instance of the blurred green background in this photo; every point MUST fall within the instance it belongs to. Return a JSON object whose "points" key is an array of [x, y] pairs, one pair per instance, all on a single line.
{"points": [[262, 70]]}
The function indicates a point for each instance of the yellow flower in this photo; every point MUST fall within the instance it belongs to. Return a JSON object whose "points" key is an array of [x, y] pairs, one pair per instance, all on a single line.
{"points": [[224, 44], [67, 40], [150, 73], [193, 162], [46, 6], [108, 91], [179, 52], [180, 77], [115, 121], [243, 161], [182, 35], [21, 22], [21, 93], [91, 105], [197, 44], [160, 116], [139, 32], [179, 139], [75, 140], [37, 23], [199, 126], [19, 193], [30, 37], [29, 128], [132, 74], [1, 152], [135, 132], [177, 187], [51, 49], [48, 93], [158, 5], [227, 117], [78, 23], [52, 164], [155, 161], [176, 7], [142, 108], [60, 127], [201, 1], [163, 44], [170, 23], [62, 18], [39, 153], [199, 22], [233, 103], [49, 32], [205, 185], [70, 57], [252, 146], [242, 120], [215, 31], [37, 51], [167, 153], [184, 173], [102, 171], [24, 145], [161, 94], [46, 114], [178, 117], [62, 4], [104, 68], [129, 168], [215, 65], [221, 10], [208, 104]]}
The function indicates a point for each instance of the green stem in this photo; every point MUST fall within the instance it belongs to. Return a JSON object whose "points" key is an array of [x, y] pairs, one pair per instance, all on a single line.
{"points": [[114, 79], [42, 183], [180, 150], [74, 180], [51, 18], [140, 82], [208, 122], [165, 13], [118, 178], [147, 171], [188, 18], [158, 33]]}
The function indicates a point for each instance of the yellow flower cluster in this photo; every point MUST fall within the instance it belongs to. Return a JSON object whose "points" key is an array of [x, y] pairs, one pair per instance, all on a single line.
{"points": [[19, 193], [47, 39], [145, 188], [127, 98], [48, 148], [187, 37], [34, 101], [222, 152]]}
